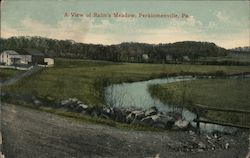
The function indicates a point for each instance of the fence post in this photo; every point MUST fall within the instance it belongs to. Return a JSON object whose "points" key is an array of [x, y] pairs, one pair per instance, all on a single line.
{"points": [[197, 120]]}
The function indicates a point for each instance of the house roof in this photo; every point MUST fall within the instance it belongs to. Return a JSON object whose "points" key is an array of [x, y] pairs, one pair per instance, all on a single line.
{"points": [[22, 51], [34, 52], [11, 52], [28, 51]]}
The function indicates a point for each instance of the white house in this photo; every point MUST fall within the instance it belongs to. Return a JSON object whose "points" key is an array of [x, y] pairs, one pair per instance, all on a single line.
{"points": [[10, 57], [145, 56], [24, 58]]}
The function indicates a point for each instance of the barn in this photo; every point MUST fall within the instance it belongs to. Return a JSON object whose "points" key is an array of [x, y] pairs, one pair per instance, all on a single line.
{"points": [[37, 57]]}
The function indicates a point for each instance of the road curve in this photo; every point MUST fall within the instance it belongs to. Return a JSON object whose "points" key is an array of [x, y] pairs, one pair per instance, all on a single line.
{"points": [[20, 76], [29, 133]]}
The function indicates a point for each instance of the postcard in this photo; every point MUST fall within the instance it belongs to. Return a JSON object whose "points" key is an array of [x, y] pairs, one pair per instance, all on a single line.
{"points": [[129, 78]]}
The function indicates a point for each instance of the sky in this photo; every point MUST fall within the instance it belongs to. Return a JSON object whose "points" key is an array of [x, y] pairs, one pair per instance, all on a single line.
{"points": [[225, 23]]}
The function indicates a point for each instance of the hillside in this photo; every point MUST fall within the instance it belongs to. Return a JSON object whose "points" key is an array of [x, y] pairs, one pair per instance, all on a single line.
{"points": [[241, 49], [124, 52]]}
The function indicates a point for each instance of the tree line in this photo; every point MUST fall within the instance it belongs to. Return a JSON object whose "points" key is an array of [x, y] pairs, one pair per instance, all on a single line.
{"points": [[124, 52]]}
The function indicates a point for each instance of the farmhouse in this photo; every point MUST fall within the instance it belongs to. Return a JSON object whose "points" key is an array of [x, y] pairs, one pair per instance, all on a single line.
{"points": [[24, 57], [11, 57]]}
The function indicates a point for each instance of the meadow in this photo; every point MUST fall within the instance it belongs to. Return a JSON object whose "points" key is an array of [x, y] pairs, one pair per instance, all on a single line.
{"points": [[86, 79], [217, 93]]}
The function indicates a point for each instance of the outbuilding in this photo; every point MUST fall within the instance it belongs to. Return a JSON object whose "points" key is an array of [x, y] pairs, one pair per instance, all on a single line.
{"points": [[49, 62]]}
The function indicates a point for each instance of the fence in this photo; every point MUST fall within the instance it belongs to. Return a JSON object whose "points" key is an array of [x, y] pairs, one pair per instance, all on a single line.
{"points": [[200, 107]]}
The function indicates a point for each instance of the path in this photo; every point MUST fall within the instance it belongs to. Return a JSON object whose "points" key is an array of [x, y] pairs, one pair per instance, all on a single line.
{"points": [[29, 133], [20, 75]]}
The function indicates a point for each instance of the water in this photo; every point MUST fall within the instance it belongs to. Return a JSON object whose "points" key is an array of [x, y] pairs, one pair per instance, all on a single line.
{"points": [[136, 95]]}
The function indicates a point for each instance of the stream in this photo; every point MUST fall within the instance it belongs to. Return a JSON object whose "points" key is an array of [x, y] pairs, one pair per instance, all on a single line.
{"points": [[136, 95]]}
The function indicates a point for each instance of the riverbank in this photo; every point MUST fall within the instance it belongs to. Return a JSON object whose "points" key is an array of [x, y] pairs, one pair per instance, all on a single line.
{"points": [[218, 93], [139, 115], [48, 134]]}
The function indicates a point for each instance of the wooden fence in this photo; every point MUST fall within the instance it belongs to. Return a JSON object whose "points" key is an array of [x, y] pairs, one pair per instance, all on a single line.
{"points": [[200, 107]]}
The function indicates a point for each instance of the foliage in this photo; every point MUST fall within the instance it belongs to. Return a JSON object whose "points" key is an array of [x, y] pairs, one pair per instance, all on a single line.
{"points": [[125, 52]]}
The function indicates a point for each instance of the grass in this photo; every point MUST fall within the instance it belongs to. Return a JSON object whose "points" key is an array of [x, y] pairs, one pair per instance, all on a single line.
{"points": [[6, 73], [220, 93], [240, 57], [229, 58], [86, 79]]}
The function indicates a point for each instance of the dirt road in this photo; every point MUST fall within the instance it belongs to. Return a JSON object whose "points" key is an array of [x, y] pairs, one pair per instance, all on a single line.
{"points": [[20, 76], [29, 133]]}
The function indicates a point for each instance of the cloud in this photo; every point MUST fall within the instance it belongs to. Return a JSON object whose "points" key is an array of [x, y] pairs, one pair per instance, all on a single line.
{"points": [[167, 34], [212, 25], [175, 30], [172, 34], [232, 40], [222, 16], [127, 30], [65, 29], [107, 31], [104, 24]]}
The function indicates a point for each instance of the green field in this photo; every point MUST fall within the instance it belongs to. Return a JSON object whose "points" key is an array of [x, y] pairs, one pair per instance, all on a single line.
{"points": [[6, 73], [86, 79], [236, 58], [218, 93]]}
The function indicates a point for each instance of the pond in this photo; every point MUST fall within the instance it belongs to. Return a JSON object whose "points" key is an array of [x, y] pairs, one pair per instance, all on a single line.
{"points": [[136, 95]]}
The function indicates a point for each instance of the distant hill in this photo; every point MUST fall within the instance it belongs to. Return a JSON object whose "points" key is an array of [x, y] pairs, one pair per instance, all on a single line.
{"points": [[125, 52], [241, 49]]}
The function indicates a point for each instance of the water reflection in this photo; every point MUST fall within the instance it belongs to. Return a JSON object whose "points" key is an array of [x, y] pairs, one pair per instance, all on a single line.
{"points": [[136, 95]]}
